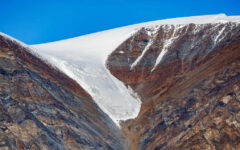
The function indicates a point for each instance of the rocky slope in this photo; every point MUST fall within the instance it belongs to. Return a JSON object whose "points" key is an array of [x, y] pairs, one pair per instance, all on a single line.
{"points": [[42, 108], [188, 78]]}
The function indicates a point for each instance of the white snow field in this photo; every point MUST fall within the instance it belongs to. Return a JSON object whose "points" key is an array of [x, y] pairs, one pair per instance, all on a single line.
{"points": [[83, 59]]}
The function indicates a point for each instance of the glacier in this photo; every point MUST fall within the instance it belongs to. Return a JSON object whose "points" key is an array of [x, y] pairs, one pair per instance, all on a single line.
{"points": [[83, 59]]}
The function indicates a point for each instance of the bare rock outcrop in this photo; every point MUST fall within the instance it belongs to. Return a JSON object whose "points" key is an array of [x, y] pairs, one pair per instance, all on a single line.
{"points": [[188, 78]]}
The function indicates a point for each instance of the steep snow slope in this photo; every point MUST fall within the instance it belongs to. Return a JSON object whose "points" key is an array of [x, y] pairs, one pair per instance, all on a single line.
{"points": [[83, 59]]}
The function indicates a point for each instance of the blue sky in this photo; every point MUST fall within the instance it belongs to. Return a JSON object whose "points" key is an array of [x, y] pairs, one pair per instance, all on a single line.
{"points": [[40, 21]]}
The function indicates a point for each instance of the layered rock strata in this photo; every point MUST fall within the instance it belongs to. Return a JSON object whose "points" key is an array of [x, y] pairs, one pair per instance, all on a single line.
{"points": [[188, 78]]}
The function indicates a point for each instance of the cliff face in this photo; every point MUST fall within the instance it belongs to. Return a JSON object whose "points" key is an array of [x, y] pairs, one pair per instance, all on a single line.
{"points": [[188, 78], [42, 108]]}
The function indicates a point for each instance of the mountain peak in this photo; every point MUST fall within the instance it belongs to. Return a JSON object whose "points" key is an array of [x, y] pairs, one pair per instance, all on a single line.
{"points": [[83, 58]]}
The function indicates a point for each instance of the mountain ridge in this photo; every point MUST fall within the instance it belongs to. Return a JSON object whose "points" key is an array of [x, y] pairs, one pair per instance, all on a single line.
{"points": [[165, 85], [95, 49]]}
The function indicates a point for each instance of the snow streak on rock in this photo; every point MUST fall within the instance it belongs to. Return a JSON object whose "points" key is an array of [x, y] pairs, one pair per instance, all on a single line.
{"points": [[154, 34]]}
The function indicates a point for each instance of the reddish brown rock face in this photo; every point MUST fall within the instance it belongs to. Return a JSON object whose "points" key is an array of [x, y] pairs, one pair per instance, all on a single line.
{"points": [[42, 108], [191, 99]]}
